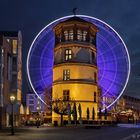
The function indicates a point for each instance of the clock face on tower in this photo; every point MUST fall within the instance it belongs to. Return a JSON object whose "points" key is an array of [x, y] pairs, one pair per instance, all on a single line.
{"points": [[112, 59]]}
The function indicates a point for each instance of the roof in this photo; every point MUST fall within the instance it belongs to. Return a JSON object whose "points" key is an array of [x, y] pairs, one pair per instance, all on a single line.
{"points": [[9, 33], [76, 19]]}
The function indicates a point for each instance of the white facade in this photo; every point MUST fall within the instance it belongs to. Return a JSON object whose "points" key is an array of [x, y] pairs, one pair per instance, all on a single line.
{"points": [[34, 103]]}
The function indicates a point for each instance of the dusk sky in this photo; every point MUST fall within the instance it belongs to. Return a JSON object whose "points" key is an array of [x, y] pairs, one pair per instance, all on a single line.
{"points": [[30, 16]]}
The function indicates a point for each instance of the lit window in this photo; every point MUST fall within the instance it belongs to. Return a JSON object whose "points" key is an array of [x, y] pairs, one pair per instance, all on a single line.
{"points": [[66, 95], [95, 97], [66, 35], [68, 54], [8, 40], [66, 75], [84, 35], [79, 35], [71, 35], [14, 46]]}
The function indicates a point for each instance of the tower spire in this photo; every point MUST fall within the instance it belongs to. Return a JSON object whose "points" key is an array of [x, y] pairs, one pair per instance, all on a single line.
{"points": [[74, 11]]}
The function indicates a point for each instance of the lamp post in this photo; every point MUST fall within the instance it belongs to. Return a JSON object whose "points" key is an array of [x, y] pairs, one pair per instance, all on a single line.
{"points": [[38, 118], [12, 99]]}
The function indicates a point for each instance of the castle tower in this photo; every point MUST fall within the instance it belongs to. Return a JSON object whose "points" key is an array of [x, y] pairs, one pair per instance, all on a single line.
{"points": [[75, 65]]}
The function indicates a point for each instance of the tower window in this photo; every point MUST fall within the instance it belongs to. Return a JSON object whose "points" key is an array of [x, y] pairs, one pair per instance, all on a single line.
{"points": [[95, 97], [91, 39], [59, 38], [84, 35], [71, 35], [66, 75], [68, 54], [79, 35], [95, 77], [66, 35], [93, 57], [66, 95]]}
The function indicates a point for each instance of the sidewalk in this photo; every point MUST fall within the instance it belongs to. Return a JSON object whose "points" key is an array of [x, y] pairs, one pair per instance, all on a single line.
{"points": [[129, 125]]}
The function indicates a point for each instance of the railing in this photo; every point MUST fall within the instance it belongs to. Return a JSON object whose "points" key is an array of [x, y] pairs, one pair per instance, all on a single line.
{"points": [[62, 40]]}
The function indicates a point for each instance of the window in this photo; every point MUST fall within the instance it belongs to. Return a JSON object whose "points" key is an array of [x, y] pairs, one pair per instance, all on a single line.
{"points": [[66, 35], [14, 63], [84, 35], [14, 82], [31, 102], [79, 35], [91, 39], [9, 67], [14, 60], [60, 37], [66, 95], [14, 46], [31, 97], [66, 75], [95, 77], [93, 57], [95, 97], [71, 35], [68, 54], [31, 108]]}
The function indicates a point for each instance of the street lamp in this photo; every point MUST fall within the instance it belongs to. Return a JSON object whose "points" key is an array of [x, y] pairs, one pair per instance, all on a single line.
{"points": [[12, 99]]}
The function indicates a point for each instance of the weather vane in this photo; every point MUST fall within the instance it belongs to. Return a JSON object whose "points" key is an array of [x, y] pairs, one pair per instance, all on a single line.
{"points": [[74, 11]]}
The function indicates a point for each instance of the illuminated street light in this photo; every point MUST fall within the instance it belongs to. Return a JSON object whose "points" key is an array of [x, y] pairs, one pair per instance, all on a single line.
{"points": [[12, 99]]}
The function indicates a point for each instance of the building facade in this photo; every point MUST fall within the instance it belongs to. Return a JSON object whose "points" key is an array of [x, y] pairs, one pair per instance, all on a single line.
{"points": [[75, 72], [127, 109], [127, 102], [34, 103], [11, 75]]}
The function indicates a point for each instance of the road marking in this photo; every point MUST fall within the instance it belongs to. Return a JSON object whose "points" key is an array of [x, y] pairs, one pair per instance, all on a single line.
{"points": [[134, 136]]}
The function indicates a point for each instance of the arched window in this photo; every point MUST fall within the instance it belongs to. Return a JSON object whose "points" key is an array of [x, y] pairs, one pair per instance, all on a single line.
{"points": [[95, 100], [79, 35], [66, 35], [84, 35], [71, 35]]}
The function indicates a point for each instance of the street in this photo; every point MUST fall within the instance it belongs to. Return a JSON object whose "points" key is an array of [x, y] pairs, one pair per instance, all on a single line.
{"points": [[65, 133]]}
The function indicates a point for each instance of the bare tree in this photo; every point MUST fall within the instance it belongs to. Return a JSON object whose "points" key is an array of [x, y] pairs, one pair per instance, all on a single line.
{"points": [[62, 107]]}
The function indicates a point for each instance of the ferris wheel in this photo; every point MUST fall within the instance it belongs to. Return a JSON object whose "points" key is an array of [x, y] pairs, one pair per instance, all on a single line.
{"points": [[113, 60]]}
